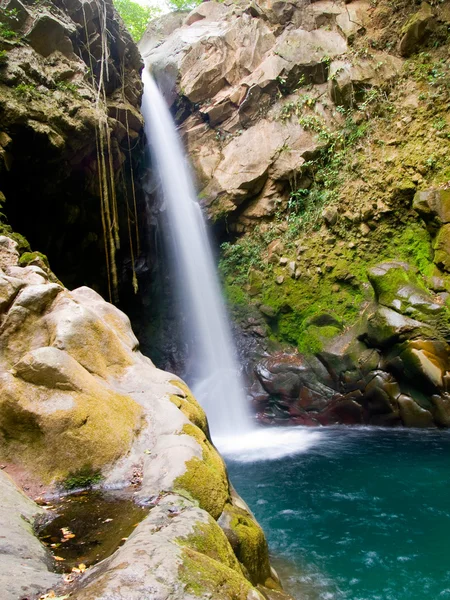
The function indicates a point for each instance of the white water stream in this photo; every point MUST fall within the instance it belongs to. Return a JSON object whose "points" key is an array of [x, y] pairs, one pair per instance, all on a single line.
{"points": [[214, 374], [215, 377]]}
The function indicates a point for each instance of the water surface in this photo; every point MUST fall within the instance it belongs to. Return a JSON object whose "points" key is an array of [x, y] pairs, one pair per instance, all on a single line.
{"points": [[356, 514]]}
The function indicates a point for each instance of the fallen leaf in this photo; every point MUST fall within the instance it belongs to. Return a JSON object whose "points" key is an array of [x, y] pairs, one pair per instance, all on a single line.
{"points": [[107, 521], [58, 558]]}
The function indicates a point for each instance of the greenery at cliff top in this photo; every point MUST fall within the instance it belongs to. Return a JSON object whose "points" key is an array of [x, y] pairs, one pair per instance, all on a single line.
{"points": [[178, 5], [135, 16]]}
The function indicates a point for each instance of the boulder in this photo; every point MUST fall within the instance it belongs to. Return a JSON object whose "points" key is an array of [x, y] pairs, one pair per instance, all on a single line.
{"points": [[412, 414], [396, 287], [386, 327], [431, 204], [349, 81], [441, 247], [182, 556], [414, 30]]}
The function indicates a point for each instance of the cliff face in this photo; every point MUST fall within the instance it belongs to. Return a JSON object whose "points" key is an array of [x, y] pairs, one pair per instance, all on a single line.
{"points": [[319, 133], [69, 129]]}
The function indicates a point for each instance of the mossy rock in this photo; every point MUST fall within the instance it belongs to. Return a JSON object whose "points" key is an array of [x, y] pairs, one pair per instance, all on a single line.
{"points": [[442, 248], [203, 575], [189, 406], [248, 542], [210, 565], [33, 258], [205, 479], [209, 539]]}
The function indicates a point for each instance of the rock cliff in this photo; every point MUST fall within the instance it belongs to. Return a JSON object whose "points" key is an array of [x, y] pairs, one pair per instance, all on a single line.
{"points": [[70, 131], [319, 132]]}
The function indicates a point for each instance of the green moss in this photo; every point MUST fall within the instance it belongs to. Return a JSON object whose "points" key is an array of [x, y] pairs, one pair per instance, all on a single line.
{"points": [[413, 244], [203, 575], [235, 294], [248, 541], [33, 257], [22, 243], [206, 478], [210, 540], [189, 405], [83, 478]]}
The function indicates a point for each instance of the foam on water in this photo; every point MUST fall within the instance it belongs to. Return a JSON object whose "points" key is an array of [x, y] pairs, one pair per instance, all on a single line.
{"points": [[267, 444]]}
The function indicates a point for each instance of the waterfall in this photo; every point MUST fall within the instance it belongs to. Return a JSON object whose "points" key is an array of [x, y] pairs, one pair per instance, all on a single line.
{"points": [[214, 374]]}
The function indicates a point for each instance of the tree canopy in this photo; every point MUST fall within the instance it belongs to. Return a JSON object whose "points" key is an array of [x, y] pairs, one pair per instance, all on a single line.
{"points": [[135, 16], [182, 4]]}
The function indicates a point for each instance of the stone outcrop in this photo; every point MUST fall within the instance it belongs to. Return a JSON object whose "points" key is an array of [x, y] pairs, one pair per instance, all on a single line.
{"points": [[70, 93], [434, 207], [25, 563], [264, 96], [392, 368], [78, 398]]}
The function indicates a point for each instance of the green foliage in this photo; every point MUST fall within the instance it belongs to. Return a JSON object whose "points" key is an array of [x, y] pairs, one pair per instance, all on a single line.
{"points": [[239, 258], [83, 478], [179, 5], [135, 16], [25, 90], [305, 205], [7, 18], [64, 86]]}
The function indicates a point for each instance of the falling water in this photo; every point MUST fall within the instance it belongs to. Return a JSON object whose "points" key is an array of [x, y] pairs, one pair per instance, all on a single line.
{"points": [[215, 377]]}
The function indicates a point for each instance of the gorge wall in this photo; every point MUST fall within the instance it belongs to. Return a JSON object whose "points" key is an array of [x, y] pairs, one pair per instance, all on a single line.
{"points": [[319, 135], [80, 405], [71, 136]]}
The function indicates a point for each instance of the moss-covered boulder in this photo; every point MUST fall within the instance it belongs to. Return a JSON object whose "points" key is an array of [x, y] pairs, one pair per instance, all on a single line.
{"points": [[389, 368], [177, 552], [205, 478], [248, 541], [414, 29], [442, 248]]}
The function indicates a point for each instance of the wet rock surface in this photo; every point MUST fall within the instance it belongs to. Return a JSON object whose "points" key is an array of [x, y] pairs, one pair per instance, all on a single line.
{"points": [[25, 565], [81, 406], [391, 368]]}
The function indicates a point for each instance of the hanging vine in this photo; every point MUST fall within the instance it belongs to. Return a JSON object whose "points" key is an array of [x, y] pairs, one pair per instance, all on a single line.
{"points": [[104, 158]]}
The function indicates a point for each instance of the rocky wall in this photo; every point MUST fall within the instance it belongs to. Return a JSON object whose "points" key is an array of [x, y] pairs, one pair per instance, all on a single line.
{"points": [[70, 135]]}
